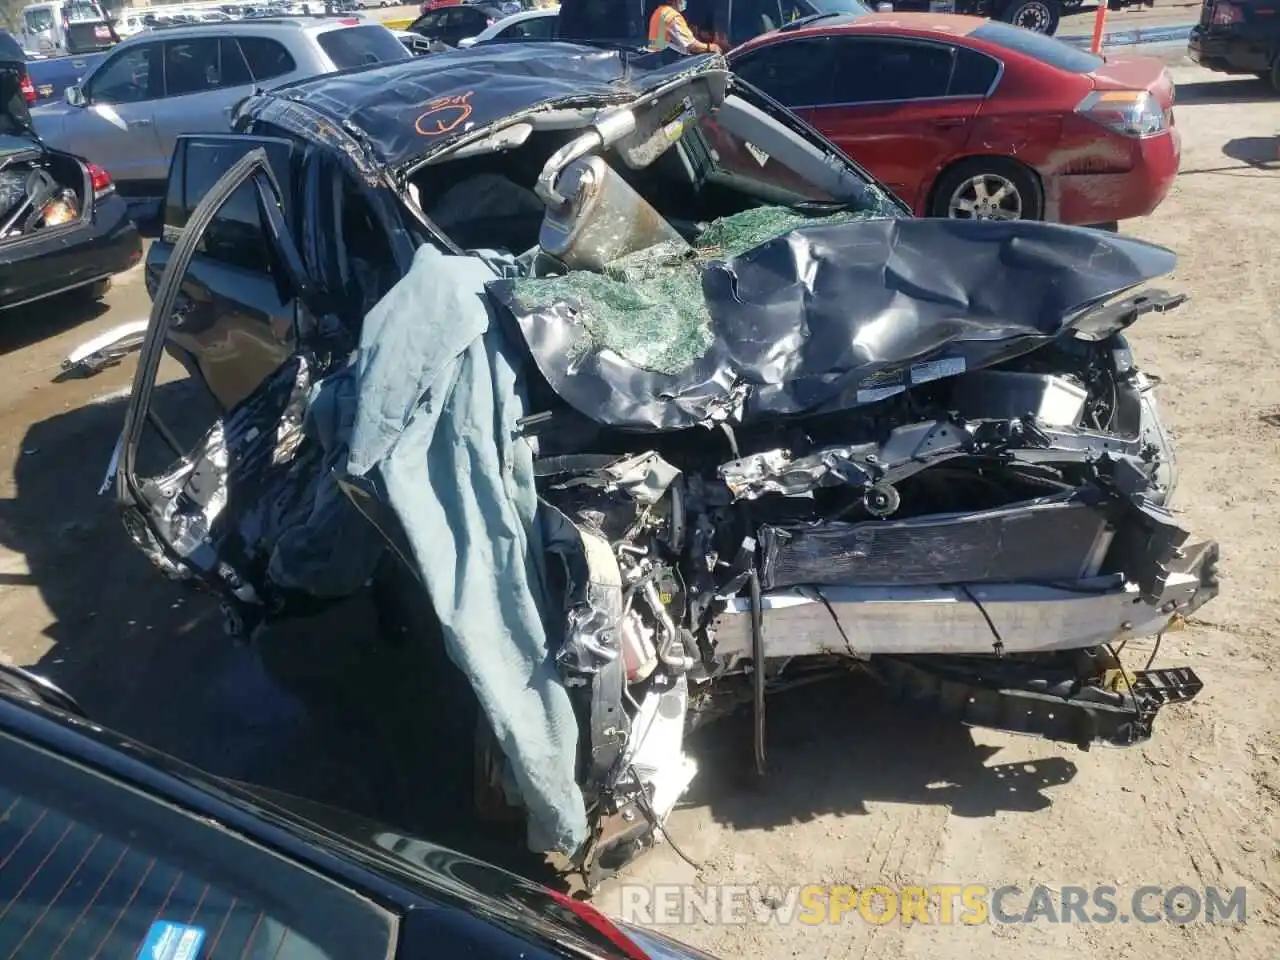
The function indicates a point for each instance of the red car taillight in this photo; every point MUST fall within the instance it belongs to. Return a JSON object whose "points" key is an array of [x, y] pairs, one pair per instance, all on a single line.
{"points": [[102, 184], [28, 89], [1131, 113], [1225, 13]]}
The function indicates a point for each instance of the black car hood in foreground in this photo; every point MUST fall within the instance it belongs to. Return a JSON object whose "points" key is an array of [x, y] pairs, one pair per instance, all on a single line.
{"points": [[458, 902], [829, 317], [407, 110]]}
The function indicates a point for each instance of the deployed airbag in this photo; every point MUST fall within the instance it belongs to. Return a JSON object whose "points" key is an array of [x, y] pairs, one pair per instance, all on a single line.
{"points": [[437, 397]]}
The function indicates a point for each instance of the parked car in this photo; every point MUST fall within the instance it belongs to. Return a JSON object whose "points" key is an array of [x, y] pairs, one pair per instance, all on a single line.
{"points": [[77, 26], [51, 76], [62, 227], [706, 397], [456, 23], [964, 117], [539, 24], [112, 848], [1238, 37], [1039, 16], [168, 81]]}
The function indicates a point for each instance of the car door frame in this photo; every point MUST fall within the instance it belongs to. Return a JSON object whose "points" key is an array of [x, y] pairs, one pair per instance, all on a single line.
{"points": [[125, 185], [253, 167], [788, 43], [309, 281], [246, 88]]}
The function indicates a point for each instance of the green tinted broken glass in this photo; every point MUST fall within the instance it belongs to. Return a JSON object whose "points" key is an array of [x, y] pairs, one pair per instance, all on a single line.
{"points": [[648, 306]]}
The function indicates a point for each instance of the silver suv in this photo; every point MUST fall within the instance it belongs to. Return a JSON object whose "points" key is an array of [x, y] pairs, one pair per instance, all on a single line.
{"points": [[168, 81]]}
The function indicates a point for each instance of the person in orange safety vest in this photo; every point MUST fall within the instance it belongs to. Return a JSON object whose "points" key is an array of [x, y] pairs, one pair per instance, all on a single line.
{"points": [[668, 28]]}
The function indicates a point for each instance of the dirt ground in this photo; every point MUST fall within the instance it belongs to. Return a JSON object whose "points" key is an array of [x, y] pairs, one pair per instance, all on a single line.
{"points": [[859, 791]]}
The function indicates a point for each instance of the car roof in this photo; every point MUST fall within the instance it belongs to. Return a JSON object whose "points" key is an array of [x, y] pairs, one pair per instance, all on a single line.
{"points": [[914, 24], [533, 14], [474, 88], [298, 22], [512, 19]]}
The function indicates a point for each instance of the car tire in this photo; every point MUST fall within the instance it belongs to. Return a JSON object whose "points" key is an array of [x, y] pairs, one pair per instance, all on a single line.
{"points": [[997, 189], [1039, 16], [1274, 76]]}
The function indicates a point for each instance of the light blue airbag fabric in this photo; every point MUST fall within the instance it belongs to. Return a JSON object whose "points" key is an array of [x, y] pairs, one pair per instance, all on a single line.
{"points": [[439, 395]]}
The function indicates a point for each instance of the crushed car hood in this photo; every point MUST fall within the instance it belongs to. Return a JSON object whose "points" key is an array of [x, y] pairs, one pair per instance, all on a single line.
{"points": [[410, 109], [829, 317]]}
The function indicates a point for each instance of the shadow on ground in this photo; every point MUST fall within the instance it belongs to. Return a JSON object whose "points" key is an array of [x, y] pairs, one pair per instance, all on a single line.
{"points": [[148, 656], [342, 716], [836, 746], [1254, 157], [23, 326], [1262, 153], [1249, 90]]}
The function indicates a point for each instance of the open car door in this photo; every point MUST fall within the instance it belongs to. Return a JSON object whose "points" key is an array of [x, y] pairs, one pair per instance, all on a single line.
{"points": [[224, 479]]}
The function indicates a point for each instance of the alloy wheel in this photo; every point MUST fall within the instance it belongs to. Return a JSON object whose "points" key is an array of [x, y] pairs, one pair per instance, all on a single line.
{"points": [[987, 196]]}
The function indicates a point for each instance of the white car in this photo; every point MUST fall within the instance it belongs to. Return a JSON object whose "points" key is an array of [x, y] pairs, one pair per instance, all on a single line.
{"points": [[530, 25]]}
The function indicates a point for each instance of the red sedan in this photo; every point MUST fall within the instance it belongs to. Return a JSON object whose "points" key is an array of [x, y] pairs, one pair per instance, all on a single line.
{"points": [[964, 117]]}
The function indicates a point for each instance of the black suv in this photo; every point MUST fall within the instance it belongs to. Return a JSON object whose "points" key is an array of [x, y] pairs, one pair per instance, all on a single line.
{"points": [[453, 24], [1239, 37]]}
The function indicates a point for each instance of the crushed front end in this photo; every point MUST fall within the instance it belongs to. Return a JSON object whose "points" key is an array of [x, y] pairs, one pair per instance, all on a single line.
{"points": [[983, 539]]}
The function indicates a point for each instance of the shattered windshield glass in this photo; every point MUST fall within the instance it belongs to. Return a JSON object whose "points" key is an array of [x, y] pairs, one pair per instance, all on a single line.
{"points": [[648, 306]]}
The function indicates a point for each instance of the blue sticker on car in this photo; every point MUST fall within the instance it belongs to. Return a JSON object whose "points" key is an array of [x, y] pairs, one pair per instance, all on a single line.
{"points": [[171, 941]]}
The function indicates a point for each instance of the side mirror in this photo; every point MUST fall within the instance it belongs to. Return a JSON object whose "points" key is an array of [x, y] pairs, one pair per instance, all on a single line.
{"points": [[75, 96]]}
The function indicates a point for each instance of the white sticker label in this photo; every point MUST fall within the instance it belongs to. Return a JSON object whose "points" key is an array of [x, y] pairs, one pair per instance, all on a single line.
{"points": [[937, 369], [761, 157], [879, 386], [877, 393]]}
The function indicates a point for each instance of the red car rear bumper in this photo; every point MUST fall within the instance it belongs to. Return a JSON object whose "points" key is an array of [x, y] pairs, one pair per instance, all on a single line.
{"points": [[1085, 198]]}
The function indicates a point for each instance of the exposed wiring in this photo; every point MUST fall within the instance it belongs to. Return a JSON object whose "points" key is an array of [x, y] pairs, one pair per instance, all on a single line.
{"points": [[998, 646], [1137, 712], [757, 620], [646, 808], [758, 676], [1154, 652], [836, 620]]}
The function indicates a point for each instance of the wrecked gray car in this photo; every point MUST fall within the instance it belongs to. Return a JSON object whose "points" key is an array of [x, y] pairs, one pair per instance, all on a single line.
{"points": [[659, 404]]}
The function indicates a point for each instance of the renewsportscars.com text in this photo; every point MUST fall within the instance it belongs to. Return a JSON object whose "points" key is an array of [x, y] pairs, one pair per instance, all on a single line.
{"points": [[942, 904]]}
